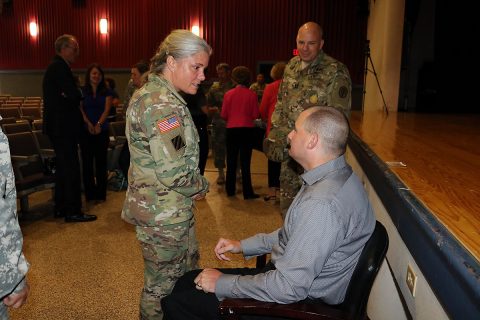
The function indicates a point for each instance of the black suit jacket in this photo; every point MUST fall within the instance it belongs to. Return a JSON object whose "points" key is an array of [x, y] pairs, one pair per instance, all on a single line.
{"points": [[61, 101]]}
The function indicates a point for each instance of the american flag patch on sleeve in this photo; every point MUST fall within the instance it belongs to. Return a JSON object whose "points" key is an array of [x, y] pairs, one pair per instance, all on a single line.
{"points": [[168, 124]]}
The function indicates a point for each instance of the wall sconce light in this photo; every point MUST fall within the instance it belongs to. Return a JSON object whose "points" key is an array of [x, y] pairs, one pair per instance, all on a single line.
{"points": [[103, 26], [196, 30], [33, 29]]}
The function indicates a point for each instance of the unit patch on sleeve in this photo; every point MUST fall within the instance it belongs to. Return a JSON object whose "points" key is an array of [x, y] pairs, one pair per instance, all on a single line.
{"points": [[178, 143], [168, 124]]}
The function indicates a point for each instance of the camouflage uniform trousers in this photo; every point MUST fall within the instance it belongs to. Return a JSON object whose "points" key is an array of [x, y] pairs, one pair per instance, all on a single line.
{"points": [[3, 311], [168, 252], [219, 141], [290, 183]]}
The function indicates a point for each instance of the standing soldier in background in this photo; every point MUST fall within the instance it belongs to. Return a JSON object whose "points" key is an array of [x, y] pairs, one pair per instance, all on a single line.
{"points": [[13, 266], [214, 101], [259, 86], [311, 78]]}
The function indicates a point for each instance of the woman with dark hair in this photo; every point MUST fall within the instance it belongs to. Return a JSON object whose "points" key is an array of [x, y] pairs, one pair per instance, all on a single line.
{"points": [[94, 139]]}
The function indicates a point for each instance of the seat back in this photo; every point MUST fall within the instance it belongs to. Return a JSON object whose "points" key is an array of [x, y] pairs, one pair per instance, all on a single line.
{"points": [[370, 261], [24, 144], [31, 113], [10, 112], [16, 127], [37, 124]]}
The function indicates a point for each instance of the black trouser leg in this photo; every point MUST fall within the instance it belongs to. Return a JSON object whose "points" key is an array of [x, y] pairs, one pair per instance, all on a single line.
{"points": [[101, 146], [68, 197], [233, 148], [203, 145], [187, 303]]}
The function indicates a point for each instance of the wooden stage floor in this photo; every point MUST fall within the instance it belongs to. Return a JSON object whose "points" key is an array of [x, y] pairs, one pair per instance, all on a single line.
{"points": [[441, 154]]}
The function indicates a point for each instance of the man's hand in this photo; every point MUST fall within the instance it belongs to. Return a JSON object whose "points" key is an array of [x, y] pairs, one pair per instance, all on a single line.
{"points": [[16, 300], [207, 279], [226, 245]]}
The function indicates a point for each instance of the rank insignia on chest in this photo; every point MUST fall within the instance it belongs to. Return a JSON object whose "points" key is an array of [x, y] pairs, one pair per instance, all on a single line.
{"points": [[168, 124]]}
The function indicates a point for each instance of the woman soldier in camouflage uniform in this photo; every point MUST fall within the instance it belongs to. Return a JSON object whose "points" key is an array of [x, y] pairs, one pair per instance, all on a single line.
{"points": [[164, 179]]}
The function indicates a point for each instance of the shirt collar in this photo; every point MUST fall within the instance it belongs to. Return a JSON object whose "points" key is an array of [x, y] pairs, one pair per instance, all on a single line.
{"points": [[318, 173], [164, 82]]}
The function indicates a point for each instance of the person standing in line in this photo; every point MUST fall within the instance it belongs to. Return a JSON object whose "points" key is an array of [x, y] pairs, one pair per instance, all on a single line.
{"points": [[314, 254], [311, 78], [266, 109], [62, 121], [164, 179], [239, 109], [214, 100], [259, 86], [136, 80], [94, 138], [14, 288]]}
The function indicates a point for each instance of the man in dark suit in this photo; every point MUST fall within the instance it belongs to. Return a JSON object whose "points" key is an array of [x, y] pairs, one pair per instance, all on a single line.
{"points": [[62, 121]]}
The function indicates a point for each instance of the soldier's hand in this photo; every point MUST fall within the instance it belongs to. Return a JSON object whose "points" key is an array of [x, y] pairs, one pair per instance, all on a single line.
{"points": [[226, 245], [16, 300]]}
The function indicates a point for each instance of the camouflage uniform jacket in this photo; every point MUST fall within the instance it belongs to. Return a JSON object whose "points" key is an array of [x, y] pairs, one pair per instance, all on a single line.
{"points": [[325, 81], [164, 154], [216, 93], [258, 89], [13, 265]]}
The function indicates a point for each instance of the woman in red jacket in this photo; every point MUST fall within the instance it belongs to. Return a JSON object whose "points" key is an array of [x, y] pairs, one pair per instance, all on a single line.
{"points": [[266, 109], [239, 109]]}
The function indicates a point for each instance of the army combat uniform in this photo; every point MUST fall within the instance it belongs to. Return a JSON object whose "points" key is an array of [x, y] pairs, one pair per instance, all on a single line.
{"points": [[258, 89], [324, 82], [162, 179], [219, 133], [13, 266]]}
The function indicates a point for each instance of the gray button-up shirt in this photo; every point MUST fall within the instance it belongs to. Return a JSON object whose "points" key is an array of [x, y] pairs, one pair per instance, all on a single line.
{"points": [[316, 250]]}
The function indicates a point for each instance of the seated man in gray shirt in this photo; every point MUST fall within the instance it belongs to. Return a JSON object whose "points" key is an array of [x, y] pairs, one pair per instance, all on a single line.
{"points": [[315, 252]]}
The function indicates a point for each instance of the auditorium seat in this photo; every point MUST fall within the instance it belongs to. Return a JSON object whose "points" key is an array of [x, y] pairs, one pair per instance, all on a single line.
{"points": [[28, 165], [22, 126], [10, 113], [37, 124], [31, 113], [7, 120]]}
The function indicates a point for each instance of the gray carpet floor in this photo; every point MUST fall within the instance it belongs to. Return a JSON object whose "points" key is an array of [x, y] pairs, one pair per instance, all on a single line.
{"points": [[95, 270]]}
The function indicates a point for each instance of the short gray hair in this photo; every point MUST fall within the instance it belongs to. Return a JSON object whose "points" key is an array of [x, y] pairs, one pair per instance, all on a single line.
{"points": [[63, 41], [178, 44], [332, 127], [223, 65]]}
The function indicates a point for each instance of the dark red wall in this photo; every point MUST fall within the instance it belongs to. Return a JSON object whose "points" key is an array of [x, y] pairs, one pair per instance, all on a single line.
{"points": [[240, 31]]}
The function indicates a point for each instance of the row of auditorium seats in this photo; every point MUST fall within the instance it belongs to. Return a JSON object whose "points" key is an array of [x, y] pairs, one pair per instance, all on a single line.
{"points": [[32, 153], [27, 113]]}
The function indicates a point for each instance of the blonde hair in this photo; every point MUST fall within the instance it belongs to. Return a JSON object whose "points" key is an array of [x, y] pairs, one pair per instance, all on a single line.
{"points": [[277, 70], [178, 44]]}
